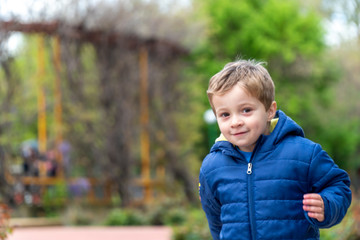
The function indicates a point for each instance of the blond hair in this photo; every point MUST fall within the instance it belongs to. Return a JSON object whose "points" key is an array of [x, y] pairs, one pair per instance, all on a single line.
{"points": [[250, 74]]}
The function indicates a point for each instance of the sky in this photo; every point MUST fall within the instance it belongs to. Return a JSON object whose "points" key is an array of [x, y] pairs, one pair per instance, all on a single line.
{"points": [[337, 29], [26, 9], [21, 7]]}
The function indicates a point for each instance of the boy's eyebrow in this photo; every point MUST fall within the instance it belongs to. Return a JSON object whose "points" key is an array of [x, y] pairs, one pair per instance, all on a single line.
{"points": [[244, 104], [220, 109], [237, 105]]}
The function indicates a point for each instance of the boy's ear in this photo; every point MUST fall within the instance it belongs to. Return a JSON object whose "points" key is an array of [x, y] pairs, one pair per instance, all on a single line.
{"points": [[272, 111]]}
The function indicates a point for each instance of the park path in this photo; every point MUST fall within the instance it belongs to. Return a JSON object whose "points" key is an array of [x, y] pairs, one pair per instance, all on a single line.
{"points": [[91, 233]]}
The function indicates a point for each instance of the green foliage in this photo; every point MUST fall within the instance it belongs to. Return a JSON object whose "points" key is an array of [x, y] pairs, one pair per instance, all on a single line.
{"points": [[22, 111], [82, 220], [279, 32], [56, 195], [261, 30], [175, 217], [54, 199], [341, 140], [165, 214], [195, 226], [125, 217], [5, 228], [187, 222]]}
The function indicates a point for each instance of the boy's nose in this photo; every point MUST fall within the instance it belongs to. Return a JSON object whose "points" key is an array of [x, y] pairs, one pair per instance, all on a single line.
{"points": [[237, 121]]}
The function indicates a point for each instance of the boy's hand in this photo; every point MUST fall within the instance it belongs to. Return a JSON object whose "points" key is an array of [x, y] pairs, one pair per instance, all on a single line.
{"points": [[313, 204]]}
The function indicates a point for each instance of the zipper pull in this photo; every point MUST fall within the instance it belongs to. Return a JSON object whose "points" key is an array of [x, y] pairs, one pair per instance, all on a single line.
{"points": [[249, 171]]}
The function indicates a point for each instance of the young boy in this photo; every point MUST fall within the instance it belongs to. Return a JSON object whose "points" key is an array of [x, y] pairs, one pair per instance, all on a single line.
{"points": [[262, 178]]}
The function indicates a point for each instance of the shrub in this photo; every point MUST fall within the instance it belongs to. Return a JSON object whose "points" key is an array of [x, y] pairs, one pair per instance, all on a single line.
{"points": [[5, 228], [125, 217], [195, 227], [176, 216], [166, 212]]}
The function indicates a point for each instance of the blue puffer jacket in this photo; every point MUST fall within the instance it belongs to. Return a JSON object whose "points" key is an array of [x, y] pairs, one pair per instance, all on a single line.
{"points": [[263, 199]]}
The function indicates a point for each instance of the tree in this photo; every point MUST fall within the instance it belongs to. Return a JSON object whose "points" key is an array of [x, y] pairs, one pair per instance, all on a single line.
{"points": [[339, 131]]}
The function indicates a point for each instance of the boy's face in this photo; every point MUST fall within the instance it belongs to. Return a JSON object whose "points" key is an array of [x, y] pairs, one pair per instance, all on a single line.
{"points": [[241, 117]]}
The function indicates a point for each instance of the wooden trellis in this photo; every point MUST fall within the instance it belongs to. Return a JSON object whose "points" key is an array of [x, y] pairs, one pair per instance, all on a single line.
{"points": [[56, 30]]}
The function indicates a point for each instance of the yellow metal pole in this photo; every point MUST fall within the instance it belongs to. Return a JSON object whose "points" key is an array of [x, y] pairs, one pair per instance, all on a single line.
{"points": [[58, 104], [144, 120], [42, 137]]}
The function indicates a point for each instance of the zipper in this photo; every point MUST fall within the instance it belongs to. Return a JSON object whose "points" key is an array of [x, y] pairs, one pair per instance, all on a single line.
{"points": [[249, 170], [251, 193], [251, 207]]}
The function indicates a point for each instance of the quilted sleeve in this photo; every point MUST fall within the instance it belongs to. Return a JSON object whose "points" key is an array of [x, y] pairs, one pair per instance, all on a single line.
{"points": [[333, 184], [211, 207]]}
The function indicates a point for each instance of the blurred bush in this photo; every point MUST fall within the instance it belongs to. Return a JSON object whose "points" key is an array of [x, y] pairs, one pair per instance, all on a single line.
{"points": [[125, 217], [166, 212], [188, 222], [78, 215], [195, 226], [5, 228], [54, 199]]}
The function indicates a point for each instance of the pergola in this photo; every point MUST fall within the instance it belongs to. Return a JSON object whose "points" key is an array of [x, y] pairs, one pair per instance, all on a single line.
{"points": [[59, 31]]}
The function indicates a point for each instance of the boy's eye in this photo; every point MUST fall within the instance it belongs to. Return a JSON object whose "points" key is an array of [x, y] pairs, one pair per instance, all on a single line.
{"points": [[246, 110], [224, 115]]}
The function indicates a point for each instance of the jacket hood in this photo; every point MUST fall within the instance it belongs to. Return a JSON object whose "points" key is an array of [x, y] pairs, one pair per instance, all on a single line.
{"points": [[285, 127]]}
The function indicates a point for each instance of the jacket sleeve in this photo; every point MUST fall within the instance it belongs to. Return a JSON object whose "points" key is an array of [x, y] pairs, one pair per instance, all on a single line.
{"points": [[333, 184], [211, 207]]}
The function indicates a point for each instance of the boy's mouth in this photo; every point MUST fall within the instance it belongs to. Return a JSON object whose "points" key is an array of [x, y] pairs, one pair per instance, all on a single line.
{"points": [[239, 133]]}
